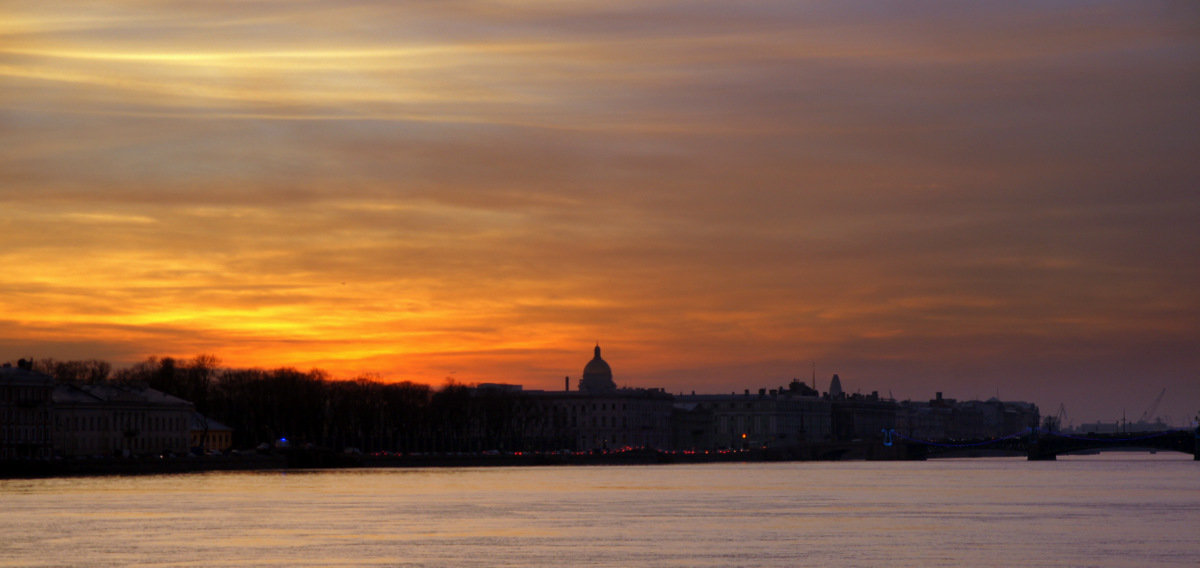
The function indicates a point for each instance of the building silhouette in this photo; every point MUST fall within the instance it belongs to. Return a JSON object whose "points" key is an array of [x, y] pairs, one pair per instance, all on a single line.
{"points": [[949, 419], [835, 387], [39, 419], [26, 412], [108, 419], [208, 435], [600, 416], [597, 376], [770, 418]]}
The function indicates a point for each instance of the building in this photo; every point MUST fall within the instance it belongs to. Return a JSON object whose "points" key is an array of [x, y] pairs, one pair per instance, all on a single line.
{"points": [[108, 420], [949, 419], [26, 412], [777, 418], [209, 435], [625, 418], [600, 416], [597, 376], [932, 420], [859, 416], [82, 424], [862, 417]]}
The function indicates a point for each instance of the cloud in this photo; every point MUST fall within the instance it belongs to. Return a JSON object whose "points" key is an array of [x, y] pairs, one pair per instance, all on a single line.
{"points": [[720, 193]]}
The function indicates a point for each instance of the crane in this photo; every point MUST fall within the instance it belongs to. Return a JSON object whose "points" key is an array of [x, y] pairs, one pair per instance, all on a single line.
{"points": [[1149, 413], [1057, 422]]}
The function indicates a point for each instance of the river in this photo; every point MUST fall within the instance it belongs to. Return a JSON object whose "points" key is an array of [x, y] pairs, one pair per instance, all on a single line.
{"points": [[1112, 509]]}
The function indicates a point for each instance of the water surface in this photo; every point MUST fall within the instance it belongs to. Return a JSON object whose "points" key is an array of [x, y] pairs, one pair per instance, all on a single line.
{"points": [[1117, 509]]}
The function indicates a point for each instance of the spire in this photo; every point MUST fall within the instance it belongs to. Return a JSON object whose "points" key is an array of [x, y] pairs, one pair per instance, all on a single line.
{"points": [[597, 349], [835, 387]]}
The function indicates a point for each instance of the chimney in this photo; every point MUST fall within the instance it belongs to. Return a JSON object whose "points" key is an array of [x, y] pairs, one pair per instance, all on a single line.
{"points": [[567, 383]]}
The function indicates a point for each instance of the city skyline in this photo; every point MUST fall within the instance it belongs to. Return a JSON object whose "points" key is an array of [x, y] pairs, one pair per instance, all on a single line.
{"points": [[975, 199]]}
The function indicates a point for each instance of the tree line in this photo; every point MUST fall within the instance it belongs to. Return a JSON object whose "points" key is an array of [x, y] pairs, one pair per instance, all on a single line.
{"points": [[267, 405]]}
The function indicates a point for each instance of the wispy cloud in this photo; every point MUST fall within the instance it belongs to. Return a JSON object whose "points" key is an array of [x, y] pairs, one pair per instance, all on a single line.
{"points": [[722, 193]]}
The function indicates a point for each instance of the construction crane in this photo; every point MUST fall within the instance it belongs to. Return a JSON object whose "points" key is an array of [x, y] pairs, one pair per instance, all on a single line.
{"points": [[1149, 413], [1058, 421], [1061, 417]]}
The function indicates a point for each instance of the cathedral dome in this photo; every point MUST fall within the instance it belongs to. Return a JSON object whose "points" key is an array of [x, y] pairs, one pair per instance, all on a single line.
{"points": [[597, 376]]}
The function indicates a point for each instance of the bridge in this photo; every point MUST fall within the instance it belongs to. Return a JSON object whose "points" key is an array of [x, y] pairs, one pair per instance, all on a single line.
{"points": [[1050, 445], [1039, 445]]}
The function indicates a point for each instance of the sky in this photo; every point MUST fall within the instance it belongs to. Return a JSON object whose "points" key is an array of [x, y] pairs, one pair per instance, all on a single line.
{"points": [[978, 198]]}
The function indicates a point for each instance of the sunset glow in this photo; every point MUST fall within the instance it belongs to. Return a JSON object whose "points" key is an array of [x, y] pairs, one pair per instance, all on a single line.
{"points": [[975, 199]]}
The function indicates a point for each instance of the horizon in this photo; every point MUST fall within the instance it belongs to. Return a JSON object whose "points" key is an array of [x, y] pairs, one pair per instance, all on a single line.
{"points": [[982, 200]]}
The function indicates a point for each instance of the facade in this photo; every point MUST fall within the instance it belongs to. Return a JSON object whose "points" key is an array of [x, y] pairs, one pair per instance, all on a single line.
{"points": [[858, 416], [209, 435], [1118, 426], [862, 417], [948, 419], [82, 424], [624, 418], [692, 427], [926, 421], [107, 420], [776, 418], [599, 416], [26, 408]]}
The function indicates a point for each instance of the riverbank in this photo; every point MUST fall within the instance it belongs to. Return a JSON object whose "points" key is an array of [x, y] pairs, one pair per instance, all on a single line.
{"points": [[138, 466], [324, 459]]}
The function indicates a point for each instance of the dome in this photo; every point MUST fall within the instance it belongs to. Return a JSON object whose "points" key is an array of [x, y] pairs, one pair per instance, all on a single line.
{"points": [[597, 376]]}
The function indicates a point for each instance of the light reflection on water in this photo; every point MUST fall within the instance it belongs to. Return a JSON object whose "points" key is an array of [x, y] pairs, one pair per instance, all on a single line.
{"points": [[1119, 509]]}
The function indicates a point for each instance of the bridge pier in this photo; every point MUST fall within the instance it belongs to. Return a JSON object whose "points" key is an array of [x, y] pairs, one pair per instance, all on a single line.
{"points": [[1033, 448]]}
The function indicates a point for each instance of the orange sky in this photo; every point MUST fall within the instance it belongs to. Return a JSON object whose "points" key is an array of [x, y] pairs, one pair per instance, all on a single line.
{"points": [[925, 196]]}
